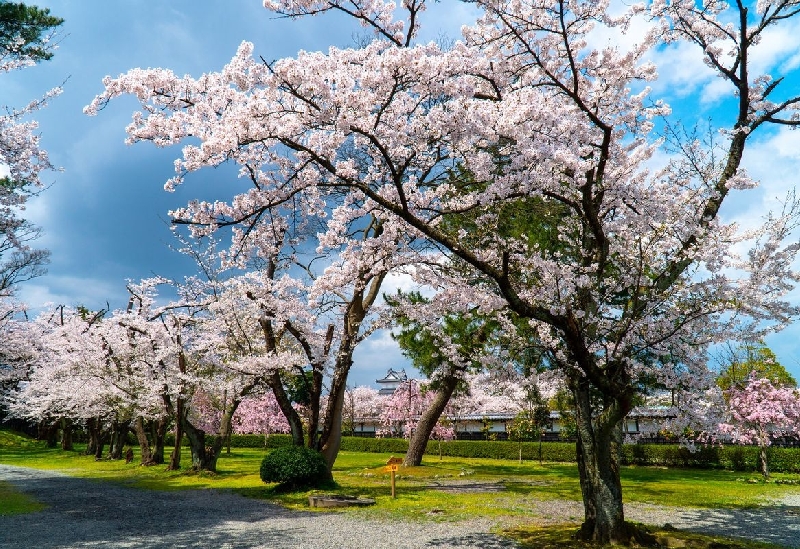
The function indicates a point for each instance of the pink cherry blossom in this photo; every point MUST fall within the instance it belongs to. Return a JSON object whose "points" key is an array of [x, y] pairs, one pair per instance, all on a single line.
{"points": [[526, 116]]}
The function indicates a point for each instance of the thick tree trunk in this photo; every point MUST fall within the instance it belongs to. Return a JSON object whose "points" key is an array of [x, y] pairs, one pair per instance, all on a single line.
{"points": [[119, 432], [175, 457], [214, 450], [144, 444], [762, 458], [95, 447], [159, 429], [47, 430], [100, 441], [66, 434], [428, 420], [332, 436], [598, 454], [330, 440], [204, 458], [291, 415]]}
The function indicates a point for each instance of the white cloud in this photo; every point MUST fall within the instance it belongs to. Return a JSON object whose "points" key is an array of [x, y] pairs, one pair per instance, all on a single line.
{"points": [[681, 70], [603, 36], [70, 291], [775, 163], [374, 357], [777, 49], [405, 283]]}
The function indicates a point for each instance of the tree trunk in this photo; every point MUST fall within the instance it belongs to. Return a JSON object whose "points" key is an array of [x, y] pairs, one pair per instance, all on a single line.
{"points": [[330, 441], [428, 420], [101, 436], [119, 432], [332, 437], [598, 450], [95, 446], [175, 457], [144, 444], [47, 431], [762, 458], [90, 431], [291, 415], [66, 434], [540, 447], [214, 450], [204, 458], [159, 429]]}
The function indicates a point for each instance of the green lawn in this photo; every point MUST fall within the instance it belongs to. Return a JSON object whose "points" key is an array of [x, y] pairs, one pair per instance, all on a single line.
{"points": [[417, 496], [13, 502]]}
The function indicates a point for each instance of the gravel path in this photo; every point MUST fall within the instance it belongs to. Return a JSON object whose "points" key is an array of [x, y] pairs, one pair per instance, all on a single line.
{"points": [[87, 513]]}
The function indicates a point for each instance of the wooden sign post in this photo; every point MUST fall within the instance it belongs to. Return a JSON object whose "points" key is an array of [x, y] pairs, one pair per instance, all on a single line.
{"points": [[392, 466]]}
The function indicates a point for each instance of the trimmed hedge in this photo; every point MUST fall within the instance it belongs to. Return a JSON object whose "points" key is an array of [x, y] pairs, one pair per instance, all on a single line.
{"points": [[494, 449], [734, 458], [376, 445], [294, 467], [240, 441]]}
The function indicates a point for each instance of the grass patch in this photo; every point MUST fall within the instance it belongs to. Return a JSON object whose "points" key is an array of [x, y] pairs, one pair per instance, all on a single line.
{"points": [[450, 489], [361, 473], [562, 537], [14, 502]]}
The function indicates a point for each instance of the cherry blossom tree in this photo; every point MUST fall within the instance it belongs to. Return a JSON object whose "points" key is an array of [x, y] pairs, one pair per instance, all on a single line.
{"points": [[404, 409], [74, 377], [26, 38], [760, 412], [307, 292], [315, 328], [260, 415], [18, 348], [361, 402], [525, 111]]}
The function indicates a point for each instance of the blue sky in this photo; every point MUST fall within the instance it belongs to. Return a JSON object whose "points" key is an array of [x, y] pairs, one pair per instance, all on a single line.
{"points": [[104, 216]]}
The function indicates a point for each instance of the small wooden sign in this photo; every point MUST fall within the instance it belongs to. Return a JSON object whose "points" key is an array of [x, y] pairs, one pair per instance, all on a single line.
{"points": [[392, 466]]}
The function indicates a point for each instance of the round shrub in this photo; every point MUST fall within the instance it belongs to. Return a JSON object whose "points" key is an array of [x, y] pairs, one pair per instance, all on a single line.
{"points": [[295, 467]]}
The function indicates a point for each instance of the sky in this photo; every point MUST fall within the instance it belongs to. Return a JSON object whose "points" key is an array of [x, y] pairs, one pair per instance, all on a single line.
{"points": [[105, 215]]}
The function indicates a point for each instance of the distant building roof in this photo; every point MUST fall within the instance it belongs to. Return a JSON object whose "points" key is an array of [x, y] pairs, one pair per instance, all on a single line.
{"points": [[392, 380], [393, 376]]}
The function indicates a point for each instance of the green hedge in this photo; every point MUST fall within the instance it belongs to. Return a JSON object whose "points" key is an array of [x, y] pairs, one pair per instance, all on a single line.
{"points": [[242, 441], [377, 445], [734, 458], [550, 451]]}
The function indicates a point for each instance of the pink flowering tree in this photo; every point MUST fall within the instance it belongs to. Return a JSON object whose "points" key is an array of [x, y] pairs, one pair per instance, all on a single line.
{"points": [[531, 121], [361, 403], [761, 412], [260, 415], [19, 347], [403, 409], [27, 36], [76, 376]]}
